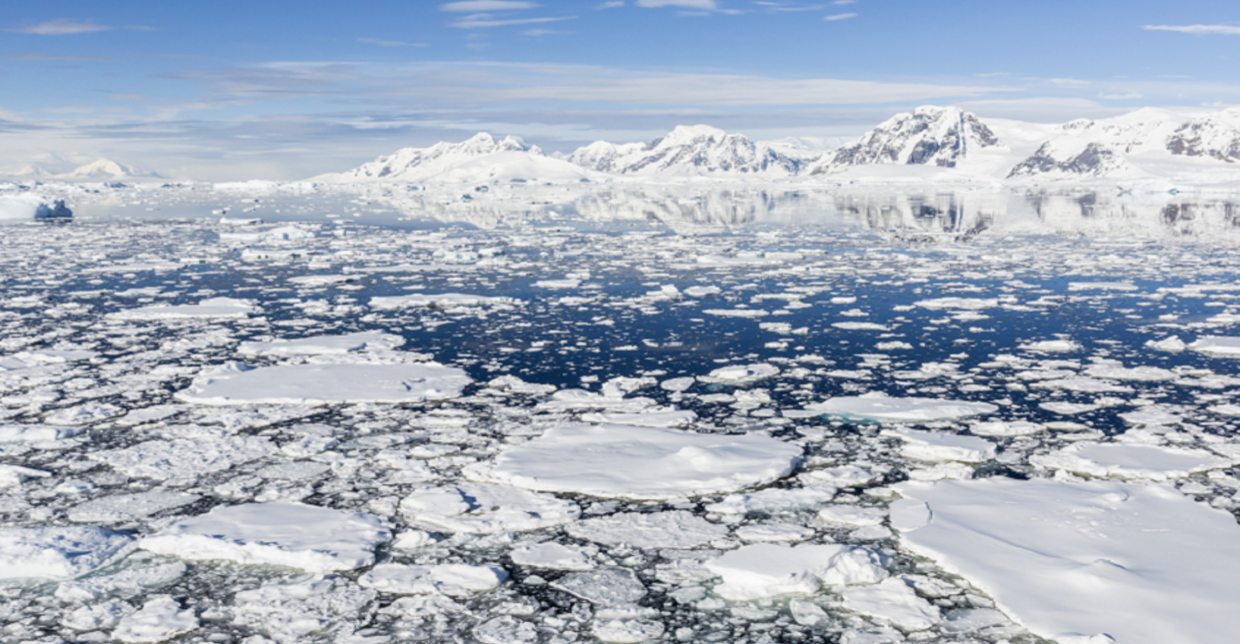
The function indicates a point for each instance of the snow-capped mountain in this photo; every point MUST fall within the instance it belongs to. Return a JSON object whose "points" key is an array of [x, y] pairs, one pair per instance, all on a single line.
{"points": [[689, 151], [479, 159], [938, 136], [107, 169], [1214, 135], [1074, 158]]}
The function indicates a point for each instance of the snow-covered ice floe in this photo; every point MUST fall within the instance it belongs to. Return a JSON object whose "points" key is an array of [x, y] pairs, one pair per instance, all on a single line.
{"points": [[887, 409], [1115, 460], [279, 534], [319, 384], [218, 307], [1138, 564], [323, 345], [441, 300], [1217, 346], [484, 508], [765, 570], [631, 462], [58, 553]]}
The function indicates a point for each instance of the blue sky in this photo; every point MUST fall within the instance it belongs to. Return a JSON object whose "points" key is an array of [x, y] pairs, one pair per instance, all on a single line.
{"points": [[285, 90]]}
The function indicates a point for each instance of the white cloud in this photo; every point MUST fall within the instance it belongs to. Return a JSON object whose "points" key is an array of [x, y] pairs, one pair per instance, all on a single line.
{"points": [[687, 4], [610, 5], [840, 16], [1196, 29], [60, 27], [779, 6], [487, 5], [1069, 82], [1126, 96], [390, 43], [483, 20]]}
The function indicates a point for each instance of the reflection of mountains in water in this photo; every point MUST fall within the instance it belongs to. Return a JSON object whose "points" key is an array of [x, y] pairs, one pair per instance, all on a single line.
{"points": [[947, 216]]}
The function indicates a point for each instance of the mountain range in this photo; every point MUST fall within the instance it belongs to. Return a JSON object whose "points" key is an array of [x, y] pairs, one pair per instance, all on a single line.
{"points": [[929, 143], [98, 170]]}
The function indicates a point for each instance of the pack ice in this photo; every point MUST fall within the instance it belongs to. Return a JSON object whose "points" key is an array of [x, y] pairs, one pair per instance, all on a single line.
{"points": [[321, 384]]}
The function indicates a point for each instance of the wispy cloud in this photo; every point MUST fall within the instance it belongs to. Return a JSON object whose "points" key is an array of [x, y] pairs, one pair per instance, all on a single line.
{"points": [[779, 6], [844, 2], [487, 5], [610, 5], [390, 43], [684, 4], [486, 20], [1069, 82], [60, 27], [1196, 29], [840, 16], [1126, 96]]}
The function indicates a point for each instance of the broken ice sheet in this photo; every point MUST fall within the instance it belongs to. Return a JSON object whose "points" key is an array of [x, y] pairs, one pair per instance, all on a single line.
{"points": [[326, 384]]}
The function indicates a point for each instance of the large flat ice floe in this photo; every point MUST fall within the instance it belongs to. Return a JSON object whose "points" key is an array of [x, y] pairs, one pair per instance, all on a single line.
{"points": [[1140, 564], [483, 508], [887, 409], [280, 534], [1115, 460], [321, 384], [766, 570], [631, 462], [58, 553], [218, 307], [323, 344]]}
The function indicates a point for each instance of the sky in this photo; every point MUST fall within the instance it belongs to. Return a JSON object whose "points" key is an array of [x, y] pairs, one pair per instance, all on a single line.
{"points": [[272, 89]]}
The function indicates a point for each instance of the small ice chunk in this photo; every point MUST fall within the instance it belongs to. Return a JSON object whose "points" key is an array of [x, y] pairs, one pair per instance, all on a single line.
{"points": [[120, 508], [484, 508], [320, 384], [741, 374], [454, 580], [674, 529], [1115, 371], [323, 345], [290, 613], [603, 587], [639, 462], [773, 500], [887, 409], [37, 433], [853, 516], [1172, 344], [843, 476], [893, 600], [85, 414], [161, 618], [505, 629], [1051, 346], [1005, 428], [283, 534], [958, 303], [766, 570], [58, 553], [942, 446], [773, 533], [184, 458], [14, 475], [95, 617], [440, 300], [552, 555], [627, 631], [702, 291], [1113, 460]]}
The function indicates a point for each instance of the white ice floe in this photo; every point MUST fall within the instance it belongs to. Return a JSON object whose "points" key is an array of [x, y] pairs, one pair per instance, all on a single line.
{"points": [[886, 409], [853, 516], [605, 587], [773, 533], [319, 384], [454, 580], [702, 291], [14, 475], [893, 600], [766, 570], [842, 476], [37, 433], [861, 326], [1005, 428], [440, 300], [737, 313], [1051, 346], [958, 303], [1142, 564], [773, 500], [675, 529], [283, 534], [1217, 346], [120, 508], [639, 462], [626, 631], [942, 446], [484, 508], [671, 418], [184, 458], [218, 307], [84, 414], [1101, 286], [1116, 371], [1114, 460], [58, 553], [552, 555], [323, 345], [741, 374], [292, 613], [27, 359], [1172, 344], [160, 619]]}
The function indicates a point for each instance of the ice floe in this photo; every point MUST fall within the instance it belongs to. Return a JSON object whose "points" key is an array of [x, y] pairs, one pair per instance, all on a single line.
{"points": [[640, 462], [282, 534], [217, 307], [1216, 346], [160, 619], [320, 384], [1113, 460], [454, 580], [887, 409], [323, 345], [766, 570], [58, 553], [484, 508], [1140, 564], [942, 446]]}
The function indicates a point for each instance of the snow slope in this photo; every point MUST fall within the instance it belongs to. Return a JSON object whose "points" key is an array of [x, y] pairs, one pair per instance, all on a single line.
{"points": [[690, 151]]}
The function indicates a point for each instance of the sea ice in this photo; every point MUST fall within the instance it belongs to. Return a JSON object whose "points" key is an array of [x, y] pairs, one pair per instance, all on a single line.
{"points": [[120, 508], [161, 618], [218, 307], [37, 433], [323, 345], [675, 529], [639, 462], [886, 409], [184, 458], [1143, 564], [603, 587], [942, 446], [441, 300], [58, 553], [893, 600], [773, 500], [484, 508], [1217, 346], [454, 580], [1005, 428], [1113, 460], [282, 534], [741, 374], [552, 555], [320, 384], [766, 570]]}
